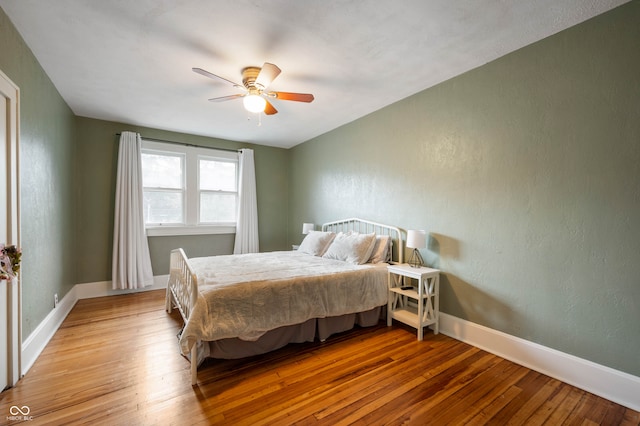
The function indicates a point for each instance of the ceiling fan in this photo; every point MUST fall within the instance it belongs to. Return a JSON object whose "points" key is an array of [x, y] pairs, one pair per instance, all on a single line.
{"points": [[254, 84]]}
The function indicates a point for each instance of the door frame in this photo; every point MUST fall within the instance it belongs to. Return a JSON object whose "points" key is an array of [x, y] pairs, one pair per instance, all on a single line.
{"points": [[14, 295]]}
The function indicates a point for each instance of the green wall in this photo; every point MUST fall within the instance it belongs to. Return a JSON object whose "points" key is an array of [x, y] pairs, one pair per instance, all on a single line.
{"points": [[97, 154], [47, 167], [525, 172]]}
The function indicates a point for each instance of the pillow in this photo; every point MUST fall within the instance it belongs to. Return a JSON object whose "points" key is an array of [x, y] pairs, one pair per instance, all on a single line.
{"points": [[316, 242], [381, 250], [351, 247]]}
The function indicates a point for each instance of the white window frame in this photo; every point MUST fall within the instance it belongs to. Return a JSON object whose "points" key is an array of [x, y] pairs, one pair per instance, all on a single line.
{"points": [[191, 213]]}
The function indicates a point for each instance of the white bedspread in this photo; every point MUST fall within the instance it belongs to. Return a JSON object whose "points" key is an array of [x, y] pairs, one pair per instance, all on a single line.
{"points": [[247, 295]]}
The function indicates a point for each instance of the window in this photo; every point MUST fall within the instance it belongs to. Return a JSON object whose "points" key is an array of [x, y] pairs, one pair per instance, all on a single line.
{"points": [[188, 190], [218, 190], [164, 187]]}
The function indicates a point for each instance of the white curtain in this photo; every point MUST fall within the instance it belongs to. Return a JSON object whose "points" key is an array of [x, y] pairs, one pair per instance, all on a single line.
{"points": [[131, 261], [247, 222]]}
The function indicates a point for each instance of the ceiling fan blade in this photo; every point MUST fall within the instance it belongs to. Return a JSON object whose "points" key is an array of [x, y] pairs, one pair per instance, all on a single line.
{"points": [[213, 76], [269, 109], [267, 74], [288, 96], [226, 98]]}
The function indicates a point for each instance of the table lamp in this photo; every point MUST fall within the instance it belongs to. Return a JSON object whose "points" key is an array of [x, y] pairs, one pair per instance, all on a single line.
{"points": [[416, 240]]}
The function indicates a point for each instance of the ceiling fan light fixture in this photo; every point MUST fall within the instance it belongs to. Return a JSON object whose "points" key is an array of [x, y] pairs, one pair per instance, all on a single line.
{"points": [[254, 103], [254, 83]]}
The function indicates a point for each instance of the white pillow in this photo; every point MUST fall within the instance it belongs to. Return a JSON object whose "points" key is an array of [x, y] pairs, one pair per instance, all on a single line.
{"points": [[381, 250], [316, 242], [351, 247]]}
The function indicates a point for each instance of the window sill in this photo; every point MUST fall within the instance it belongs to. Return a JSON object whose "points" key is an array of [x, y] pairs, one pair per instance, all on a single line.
{"points": [[163, 231]]}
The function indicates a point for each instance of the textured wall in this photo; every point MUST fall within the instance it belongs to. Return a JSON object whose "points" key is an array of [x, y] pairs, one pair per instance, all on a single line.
{"points": [[96, 178], [525, 172], [47, 166]]}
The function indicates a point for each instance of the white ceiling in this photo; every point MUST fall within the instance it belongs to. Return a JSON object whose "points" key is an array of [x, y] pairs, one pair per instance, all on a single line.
{"points": [[130, 60]]}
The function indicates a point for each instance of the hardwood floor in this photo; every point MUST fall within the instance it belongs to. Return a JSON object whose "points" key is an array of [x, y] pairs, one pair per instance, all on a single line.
{"points": [[115, 361]]}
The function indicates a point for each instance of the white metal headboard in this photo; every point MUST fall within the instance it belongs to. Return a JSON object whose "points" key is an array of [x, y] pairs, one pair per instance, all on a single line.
{"points": [[367, 227]]}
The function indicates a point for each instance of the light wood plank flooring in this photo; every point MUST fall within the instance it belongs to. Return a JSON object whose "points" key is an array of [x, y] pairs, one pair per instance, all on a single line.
{"points": [[115, 361]]}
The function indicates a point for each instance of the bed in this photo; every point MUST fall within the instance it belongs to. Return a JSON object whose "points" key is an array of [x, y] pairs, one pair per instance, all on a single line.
{"points": [[235, 306]]}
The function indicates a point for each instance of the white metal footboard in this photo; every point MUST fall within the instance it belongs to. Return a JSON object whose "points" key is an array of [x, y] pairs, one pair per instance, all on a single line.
{"points": [[182, 289]]}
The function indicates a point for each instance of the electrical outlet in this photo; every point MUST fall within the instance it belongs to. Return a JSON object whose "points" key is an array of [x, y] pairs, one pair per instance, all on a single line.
{"points": [[55, 300]]}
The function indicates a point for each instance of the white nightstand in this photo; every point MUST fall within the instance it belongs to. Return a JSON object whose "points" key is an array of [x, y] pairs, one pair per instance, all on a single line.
{"points": [[416, 306]]}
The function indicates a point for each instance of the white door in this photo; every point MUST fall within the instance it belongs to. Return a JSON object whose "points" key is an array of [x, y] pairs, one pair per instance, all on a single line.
{"points": [[4, 287], [9, 232]]}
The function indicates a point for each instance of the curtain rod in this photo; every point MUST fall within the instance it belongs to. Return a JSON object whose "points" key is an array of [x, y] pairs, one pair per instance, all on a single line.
{"points": [[186, 144]]}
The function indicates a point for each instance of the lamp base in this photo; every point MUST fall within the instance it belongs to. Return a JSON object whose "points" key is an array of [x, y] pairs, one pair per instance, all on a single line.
{"points": [[415, 260]]}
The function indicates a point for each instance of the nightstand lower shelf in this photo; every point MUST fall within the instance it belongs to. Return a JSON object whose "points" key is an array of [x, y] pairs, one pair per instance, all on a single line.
{"points": [[409, 316]]}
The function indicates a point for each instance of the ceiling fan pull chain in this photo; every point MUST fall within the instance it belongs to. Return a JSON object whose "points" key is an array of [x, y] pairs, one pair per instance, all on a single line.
{"points": [[259, 117]]}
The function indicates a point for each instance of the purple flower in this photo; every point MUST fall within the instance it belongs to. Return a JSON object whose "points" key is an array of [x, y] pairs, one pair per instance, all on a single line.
{"points": [[9, 261]]}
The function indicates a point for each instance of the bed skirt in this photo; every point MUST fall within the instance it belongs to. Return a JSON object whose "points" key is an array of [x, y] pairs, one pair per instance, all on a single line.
{"points": [[320, 328]]}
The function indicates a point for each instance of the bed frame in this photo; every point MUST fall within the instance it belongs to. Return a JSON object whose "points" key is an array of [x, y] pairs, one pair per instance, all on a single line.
{"points": [[182, 288], [367, 227]]}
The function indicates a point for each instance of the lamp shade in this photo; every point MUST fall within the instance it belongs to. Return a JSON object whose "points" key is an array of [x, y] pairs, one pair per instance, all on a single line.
{"points": [[416, 239], [307, 227]]}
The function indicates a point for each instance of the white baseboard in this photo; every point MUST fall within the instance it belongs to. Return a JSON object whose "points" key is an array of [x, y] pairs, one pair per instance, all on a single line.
{"points": [[617, 386], [104, 288], [38, 339]]}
